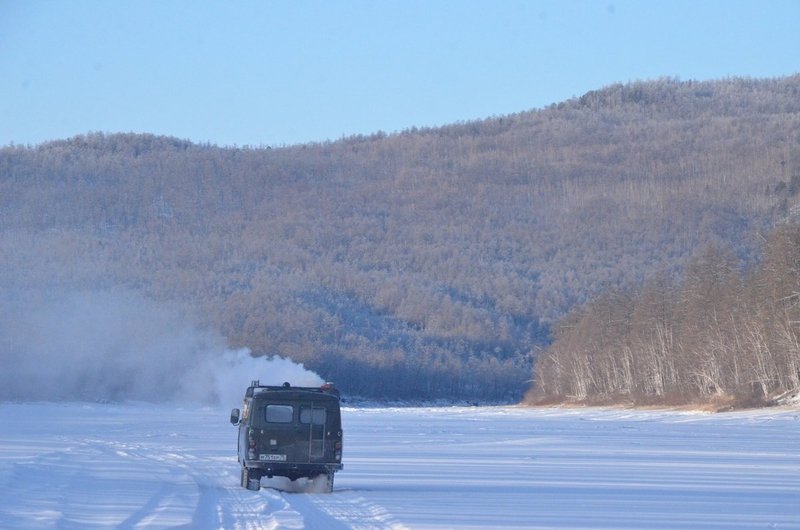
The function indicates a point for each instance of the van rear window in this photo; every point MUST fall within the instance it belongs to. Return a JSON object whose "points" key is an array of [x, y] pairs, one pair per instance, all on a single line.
{"points": [[311, 415], [279, 413]]}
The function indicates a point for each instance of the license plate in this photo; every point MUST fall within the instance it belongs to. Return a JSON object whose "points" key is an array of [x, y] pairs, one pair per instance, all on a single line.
{"points": [[272, 458]]}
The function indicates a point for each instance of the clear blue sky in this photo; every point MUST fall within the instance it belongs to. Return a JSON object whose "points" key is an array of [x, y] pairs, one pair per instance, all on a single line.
{"points": [[272, 73]]}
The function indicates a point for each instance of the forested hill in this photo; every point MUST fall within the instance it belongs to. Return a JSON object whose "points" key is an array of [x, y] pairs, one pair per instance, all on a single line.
{"points": [[427, 263]]}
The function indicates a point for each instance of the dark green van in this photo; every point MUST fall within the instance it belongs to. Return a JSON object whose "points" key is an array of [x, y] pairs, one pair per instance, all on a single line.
{"points": [[289, 431]]}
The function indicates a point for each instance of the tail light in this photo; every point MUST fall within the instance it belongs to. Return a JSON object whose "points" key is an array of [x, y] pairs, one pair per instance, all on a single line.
{"points": [[337, 451], [251, 443]]}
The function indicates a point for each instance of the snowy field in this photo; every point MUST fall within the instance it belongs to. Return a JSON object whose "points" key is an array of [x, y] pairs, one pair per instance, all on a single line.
{"points": [[126, 466]]}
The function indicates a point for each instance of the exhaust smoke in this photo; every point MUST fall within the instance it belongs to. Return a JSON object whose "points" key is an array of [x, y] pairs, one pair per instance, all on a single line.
{"points": [[118, 345]]}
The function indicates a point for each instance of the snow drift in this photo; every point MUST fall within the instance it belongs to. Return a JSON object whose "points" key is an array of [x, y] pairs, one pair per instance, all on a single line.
{"points": [[118, 345]]}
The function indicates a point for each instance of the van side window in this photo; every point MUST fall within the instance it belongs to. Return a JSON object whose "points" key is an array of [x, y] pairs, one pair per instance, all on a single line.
{"points": [[315, 416], [279, 413]]}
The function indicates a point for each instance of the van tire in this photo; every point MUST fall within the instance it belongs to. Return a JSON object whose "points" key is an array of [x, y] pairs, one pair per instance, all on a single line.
{"points": [[248, 482]]}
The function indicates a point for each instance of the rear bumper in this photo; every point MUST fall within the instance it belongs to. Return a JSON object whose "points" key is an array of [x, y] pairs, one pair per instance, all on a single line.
{"points": [[292, 470]]}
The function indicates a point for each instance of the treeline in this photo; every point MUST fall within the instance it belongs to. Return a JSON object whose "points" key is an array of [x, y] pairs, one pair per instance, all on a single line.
{"points": [[426, 263], [716, 332]]}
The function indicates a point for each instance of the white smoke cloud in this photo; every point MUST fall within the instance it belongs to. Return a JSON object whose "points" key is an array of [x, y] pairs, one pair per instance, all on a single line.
{"points": [[229, 374], [117, 345]]}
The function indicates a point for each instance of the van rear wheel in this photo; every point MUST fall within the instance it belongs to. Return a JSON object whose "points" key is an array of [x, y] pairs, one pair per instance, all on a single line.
{"points": [[249, 481]]}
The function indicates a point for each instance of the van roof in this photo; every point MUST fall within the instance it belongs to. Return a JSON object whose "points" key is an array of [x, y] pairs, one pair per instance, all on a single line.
{"points": [[326, 389]]}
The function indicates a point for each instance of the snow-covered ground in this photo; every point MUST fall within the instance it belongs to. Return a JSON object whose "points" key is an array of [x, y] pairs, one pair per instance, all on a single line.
{"points": [[136, 465]]}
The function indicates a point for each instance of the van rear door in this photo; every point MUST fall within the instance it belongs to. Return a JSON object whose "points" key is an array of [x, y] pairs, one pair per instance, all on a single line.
{"points": [[314, 419], [276, 432]]}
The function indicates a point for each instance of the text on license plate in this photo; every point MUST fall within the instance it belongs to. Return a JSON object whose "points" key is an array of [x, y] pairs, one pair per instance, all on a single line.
{"points": [[273, 458]]}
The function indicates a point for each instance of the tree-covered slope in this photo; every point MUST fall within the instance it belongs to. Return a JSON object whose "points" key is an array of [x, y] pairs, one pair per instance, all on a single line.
{"points": [[426, 263]]}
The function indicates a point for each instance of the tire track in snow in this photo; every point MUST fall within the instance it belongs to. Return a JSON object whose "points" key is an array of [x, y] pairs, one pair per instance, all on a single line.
{"points": [[221, 502], [88, 485], [139, 487], [341, 510]]}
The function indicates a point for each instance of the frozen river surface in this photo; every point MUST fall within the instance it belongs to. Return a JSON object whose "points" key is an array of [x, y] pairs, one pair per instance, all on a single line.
{"points": [[127, 466]]}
